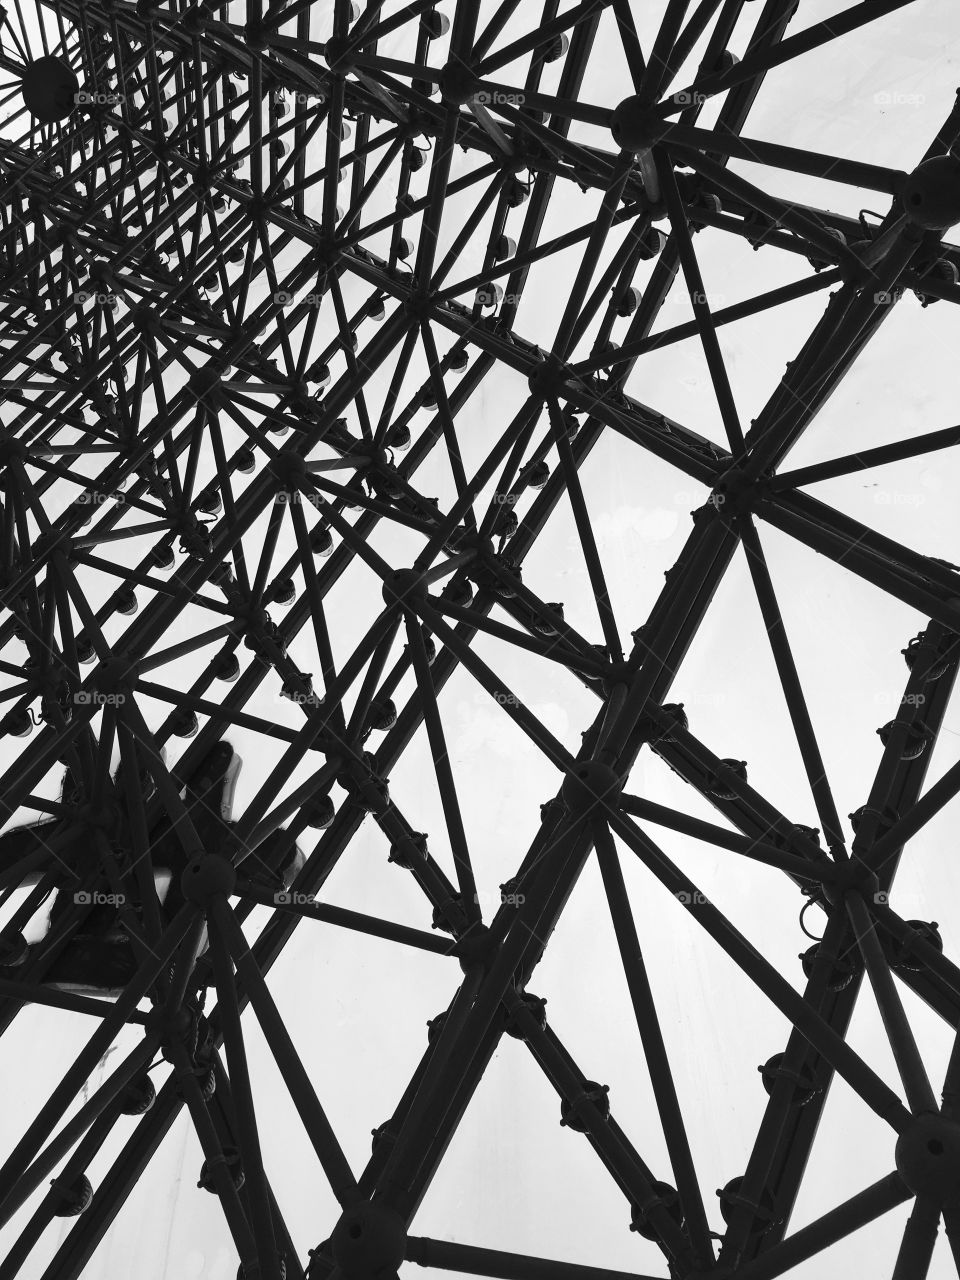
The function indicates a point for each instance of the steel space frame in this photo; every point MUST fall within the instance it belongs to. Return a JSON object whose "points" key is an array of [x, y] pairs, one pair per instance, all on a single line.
{"points": [[136, 226]]}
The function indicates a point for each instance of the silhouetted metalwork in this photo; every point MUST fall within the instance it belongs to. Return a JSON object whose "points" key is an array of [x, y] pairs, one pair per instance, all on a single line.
{"points": [[165, 293]]}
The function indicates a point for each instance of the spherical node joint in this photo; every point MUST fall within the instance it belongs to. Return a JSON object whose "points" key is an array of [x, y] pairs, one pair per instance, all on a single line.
{"points": [[208, 876]]}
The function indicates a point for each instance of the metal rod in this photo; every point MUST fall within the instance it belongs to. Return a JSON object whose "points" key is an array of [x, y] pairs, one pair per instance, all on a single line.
{"points": [[658, 1063]]}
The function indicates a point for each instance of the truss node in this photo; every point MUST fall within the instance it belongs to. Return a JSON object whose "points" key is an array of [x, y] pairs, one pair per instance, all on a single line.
{"points": [[255, 34], [547, 378], [369, 1241], [458, 84], [928, 1159], [206, 877], [737, 494], [476, 948], [634, 127], [931, 194], [338, 55], [404, 587], [289, 468], [849, 877], [49, 89], [590, 786]]}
